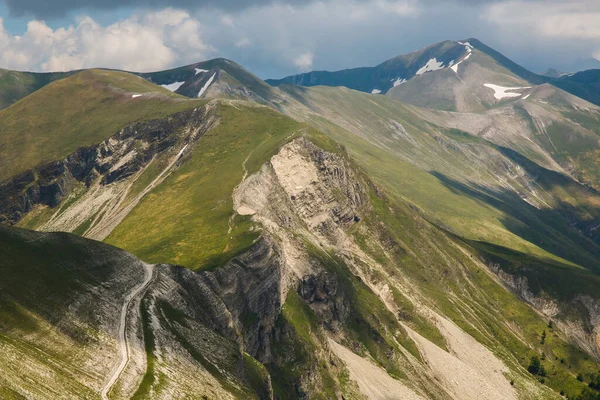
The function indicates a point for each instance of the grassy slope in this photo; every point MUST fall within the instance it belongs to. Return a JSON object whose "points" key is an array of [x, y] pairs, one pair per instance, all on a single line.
{"points": [[442, 277], [415, 170], [42, 274], [15, 85], [46, 345], [186, 220], [80, 110]]}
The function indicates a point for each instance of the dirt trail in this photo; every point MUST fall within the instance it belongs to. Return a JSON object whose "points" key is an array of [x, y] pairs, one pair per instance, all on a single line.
{"points": [[148, 278]]}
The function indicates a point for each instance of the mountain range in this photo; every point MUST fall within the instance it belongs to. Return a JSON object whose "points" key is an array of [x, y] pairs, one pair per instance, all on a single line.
{"points": [[423, 229]]}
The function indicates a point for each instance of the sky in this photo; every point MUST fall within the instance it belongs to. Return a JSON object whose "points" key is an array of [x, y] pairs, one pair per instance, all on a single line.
{"points": [[275, 38]]}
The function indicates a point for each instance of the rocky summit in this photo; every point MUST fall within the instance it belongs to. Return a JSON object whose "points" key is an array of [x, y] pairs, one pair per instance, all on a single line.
{"points": [[423, 229]]}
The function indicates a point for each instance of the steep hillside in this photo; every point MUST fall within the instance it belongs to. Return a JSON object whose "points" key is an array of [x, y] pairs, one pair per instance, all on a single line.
{"points": [[363, 248], [547, 123], [15, 85], [80, 110], [80, 319], [343, 281], [479, 190]]}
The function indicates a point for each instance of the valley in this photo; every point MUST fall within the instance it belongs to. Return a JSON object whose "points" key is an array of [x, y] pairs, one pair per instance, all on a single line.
{"points": [[423, 229]]}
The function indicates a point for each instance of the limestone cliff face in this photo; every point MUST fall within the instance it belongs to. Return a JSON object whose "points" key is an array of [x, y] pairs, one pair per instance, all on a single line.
{"points": [[303, 194], [117, 158], [578, 319]]}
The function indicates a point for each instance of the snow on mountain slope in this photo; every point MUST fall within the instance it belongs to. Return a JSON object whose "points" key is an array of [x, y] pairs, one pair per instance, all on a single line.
{"points": [[173, 86], [432, 65], [387, 74], [206, 85], [501, 92]]}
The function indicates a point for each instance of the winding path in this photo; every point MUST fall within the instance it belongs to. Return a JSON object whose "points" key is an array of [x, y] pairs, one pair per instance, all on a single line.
{"points": [[148, 278]]}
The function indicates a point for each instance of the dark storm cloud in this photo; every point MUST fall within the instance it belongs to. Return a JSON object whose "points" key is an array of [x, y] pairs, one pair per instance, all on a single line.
{"points": [[57, 8]]}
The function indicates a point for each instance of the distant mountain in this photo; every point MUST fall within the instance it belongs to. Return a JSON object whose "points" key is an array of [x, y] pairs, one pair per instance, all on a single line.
{"points": [[554, 73], [14, 85], [213, 78], [79, 110], [383, 77], [442, 57], [590, 77]]}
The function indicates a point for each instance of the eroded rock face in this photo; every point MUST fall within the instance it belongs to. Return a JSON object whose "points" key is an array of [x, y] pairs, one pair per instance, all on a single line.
{"points": [[115, 159], [303, 189], [585, 333]]}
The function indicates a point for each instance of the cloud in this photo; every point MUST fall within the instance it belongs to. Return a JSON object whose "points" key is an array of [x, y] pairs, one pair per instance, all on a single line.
{"points": [[243, 42], [568, 30], [277, 38], [227, 20], [399, 7], [304, 61], [149, 41], [58, 8], [575, 19]]}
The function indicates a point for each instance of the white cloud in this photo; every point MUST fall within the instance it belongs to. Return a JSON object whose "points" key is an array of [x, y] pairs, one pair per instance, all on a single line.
{"points": [[143, 42], [304, 61], [271, 38], [399, 7], [227, 20], [566, 27], [573, 19], [244, 42]]}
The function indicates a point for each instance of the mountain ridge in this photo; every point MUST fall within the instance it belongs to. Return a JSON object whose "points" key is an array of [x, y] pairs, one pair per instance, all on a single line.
{"points": [[306, 242], [337, 78]]}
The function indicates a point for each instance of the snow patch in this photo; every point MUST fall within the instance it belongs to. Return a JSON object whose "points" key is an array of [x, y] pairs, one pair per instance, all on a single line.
{"points": [[432, 65], [173, 86], [206, 85], [468, 47], [135, 95], [455, 66], [399, 81], [375, 91], [525, 98], [200, 71], [500, 92]]}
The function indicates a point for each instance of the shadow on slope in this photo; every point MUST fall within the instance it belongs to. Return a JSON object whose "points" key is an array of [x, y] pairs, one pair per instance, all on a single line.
{"points": [[46, 273], [556, 230]]}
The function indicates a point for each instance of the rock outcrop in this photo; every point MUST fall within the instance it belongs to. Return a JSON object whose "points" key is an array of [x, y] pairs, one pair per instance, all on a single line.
{"points": [[117, 158]]}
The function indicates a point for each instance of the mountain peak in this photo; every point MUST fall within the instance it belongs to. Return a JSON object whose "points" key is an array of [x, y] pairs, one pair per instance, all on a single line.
{"points": [[218, 76]]}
